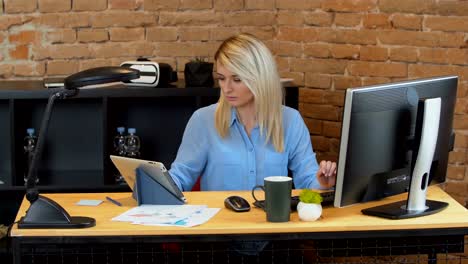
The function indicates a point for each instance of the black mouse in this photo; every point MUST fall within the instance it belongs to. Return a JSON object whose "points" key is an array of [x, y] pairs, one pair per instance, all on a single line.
{"points": [[237, 204]]}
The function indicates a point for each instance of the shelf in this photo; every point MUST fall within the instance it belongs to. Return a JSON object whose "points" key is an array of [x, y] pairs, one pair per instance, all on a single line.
{"points": [[69, 189], [73, 140], [5, 150]]}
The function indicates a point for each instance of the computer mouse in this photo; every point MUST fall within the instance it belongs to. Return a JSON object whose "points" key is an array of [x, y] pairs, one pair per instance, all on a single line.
{"points": [[237, 204]]}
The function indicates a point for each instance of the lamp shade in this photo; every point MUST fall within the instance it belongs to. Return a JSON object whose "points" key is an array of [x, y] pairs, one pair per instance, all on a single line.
{"points": [[100, 75]]}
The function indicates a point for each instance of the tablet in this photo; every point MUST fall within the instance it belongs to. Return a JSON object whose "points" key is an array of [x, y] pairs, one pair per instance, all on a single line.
{"points": [[127, 167]]}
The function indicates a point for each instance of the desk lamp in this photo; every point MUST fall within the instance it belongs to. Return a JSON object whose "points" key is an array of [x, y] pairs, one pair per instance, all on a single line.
{"points": [[45, 212]]}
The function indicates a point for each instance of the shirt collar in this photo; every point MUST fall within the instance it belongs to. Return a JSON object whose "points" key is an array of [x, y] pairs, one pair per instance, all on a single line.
{"points": [[233, 116]]}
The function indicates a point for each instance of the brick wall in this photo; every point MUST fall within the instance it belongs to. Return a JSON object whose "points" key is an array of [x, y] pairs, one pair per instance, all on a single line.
{"points": [[325, 45]]}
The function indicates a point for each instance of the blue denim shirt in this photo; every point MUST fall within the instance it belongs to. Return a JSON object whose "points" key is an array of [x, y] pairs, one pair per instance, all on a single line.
{"points": [[238, 162]]}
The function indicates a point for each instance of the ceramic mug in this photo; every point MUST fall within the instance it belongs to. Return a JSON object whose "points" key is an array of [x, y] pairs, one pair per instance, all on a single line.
{"points": [[277, 197]]}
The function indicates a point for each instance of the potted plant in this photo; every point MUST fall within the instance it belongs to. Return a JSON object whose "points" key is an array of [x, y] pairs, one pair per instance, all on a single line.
{"points": [[309, 207], [198, 73]]}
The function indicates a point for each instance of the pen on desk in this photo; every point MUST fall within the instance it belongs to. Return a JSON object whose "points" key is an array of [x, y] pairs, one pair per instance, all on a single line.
{"points": [[113, 201]]}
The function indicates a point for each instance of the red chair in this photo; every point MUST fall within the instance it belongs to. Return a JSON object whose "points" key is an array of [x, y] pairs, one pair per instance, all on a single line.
{"points": [[196, 186]]}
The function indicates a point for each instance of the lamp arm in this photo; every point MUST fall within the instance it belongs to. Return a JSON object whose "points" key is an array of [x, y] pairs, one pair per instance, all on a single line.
{"points": [[31, 189]]}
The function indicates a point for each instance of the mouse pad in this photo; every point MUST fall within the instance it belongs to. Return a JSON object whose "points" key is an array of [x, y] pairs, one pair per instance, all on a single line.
{"points": [[294, 202]]}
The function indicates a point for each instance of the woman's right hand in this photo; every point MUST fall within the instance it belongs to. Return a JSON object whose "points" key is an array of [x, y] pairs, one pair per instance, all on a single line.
{"points": [[326, 174]]}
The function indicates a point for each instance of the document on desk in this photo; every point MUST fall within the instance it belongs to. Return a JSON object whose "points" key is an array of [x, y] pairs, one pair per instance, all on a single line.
{"points": [[168, 215]]}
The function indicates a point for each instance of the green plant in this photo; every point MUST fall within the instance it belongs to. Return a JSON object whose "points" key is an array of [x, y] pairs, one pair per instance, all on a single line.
{"points": [[309, 196]]}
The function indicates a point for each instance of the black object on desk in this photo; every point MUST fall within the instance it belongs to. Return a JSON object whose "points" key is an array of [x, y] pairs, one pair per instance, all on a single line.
{"points": [[328, 199], [45, 212], [237, 204], [113, 201]]}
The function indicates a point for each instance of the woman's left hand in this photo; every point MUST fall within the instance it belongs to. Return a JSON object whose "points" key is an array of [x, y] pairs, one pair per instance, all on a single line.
{"points": [[326, 175]]}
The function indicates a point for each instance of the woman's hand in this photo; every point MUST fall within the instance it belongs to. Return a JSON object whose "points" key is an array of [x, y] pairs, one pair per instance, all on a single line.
{"points": [[326, 175]]}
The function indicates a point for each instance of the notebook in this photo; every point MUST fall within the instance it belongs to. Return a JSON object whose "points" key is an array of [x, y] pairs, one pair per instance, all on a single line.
{"points": [[154, 173]]}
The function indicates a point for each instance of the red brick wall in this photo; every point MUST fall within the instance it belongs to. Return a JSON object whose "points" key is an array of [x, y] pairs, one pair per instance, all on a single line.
{"points": [[325, 45]]}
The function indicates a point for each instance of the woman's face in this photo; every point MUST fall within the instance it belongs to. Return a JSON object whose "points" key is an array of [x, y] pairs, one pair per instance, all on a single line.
{"points": [[237, 94]]}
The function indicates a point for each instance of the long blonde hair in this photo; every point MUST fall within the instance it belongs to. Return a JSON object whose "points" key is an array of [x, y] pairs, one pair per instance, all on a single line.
{"points": [[253, 63]]}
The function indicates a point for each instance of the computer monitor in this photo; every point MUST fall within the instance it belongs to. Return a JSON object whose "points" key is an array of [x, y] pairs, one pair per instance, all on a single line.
{"points": [[384, 145]]}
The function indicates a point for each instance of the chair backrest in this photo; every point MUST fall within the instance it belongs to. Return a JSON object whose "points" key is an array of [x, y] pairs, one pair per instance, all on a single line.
{"points": [[196, 186]]}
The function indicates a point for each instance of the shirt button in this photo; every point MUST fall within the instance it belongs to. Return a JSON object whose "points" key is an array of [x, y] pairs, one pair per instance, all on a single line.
{"points": [[251, 171]]}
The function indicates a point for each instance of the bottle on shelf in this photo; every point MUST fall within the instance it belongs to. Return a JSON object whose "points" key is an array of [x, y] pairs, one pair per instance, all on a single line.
{"points": [[119, 142], [132, 144], [29, 145], [119, 150]]}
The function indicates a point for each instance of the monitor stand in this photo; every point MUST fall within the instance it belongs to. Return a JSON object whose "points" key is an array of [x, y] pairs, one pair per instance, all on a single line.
{"points": [[416, 205]]}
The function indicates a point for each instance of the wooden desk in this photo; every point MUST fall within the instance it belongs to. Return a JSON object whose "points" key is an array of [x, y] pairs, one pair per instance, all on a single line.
{"points": [[336, 223]]}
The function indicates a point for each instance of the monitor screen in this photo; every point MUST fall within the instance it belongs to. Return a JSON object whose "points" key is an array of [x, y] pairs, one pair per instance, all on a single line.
{"points": [[378, 138]]}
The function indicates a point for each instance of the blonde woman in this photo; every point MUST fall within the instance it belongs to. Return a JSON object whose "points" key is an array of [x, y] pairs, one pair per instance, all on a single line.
{"points": [[249, 134]]}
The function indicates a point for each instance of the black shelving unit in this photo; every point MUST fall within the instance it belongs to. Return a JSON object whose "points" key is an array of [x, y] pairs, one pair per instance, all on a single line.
{"points": [[6, 146], [82, 128]]}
